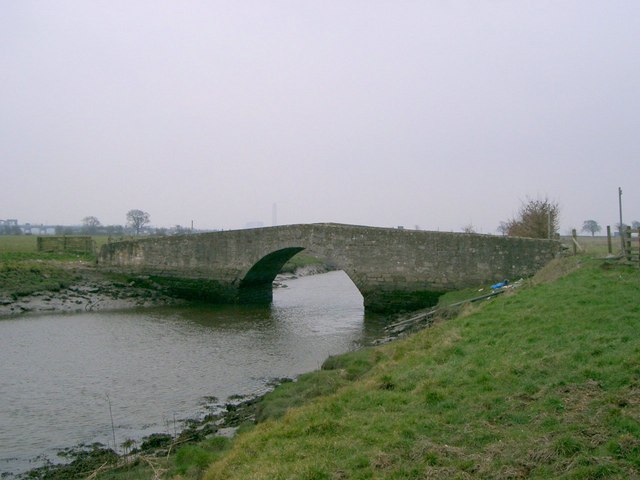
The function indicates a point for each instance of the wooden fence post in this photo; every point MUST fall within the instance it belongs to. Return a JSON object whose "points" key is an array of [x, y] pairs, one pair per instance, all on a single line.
{"points": [[575, 241], [609, 239]]}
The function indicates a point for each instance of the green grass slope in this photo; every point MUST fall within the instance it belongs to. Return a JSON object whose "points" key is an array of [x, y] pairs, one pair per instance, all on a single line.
{"points": [[544, 383], [24, 270]]}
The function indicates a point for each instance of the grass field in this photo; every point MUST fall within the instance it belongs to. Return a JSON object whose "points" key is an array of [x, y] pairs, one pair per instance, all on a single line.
{"points": [[18, 244], [24, 270], [595, 246], [28, 244]]}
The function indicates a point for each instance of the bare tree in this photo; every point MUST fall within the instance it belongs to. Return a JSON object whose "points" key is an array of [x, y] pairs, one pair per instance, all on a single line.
{"points": [[591, 226], [468, 229], [536, 219], [136, 219], [90, 224]]}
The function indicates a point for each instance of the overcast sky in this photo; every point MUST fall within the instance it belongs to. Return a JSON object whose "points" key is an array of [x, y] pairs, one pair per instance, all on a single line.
{"points": [[432, 113]]}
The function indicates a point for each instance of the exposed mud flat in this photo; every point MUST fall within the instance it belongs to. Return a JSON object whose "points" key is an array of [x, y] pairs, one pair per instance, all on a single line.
{"points": [[94, 291], [91, 292]]}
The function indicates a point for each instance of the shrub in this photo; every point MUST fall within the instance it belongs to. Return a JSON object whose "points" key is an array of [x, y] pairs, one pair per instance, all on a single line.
{"points": [[536, 219]]}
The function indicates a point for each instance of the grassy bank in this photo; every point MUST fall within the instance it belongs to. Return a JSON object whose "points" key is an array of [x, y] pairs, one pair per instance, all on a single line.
{"points": [[541, 384], [24, 270]]}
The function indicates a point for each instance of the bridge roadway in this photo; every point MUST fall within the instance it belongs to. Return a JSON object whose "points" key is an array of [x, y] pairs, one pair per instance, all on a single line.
{"points": [[394, 269]]}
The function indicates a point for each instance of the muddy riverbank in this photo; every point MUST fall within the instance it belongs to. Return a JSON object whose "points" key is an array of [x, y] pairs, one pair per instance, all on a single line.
{"points": [[93, 291], [86, 461]]}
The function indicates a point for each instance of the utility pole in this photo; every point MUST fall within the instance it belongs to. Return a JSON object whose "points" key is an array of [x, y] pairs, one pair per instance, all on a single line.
{"points": [[620, 228]]}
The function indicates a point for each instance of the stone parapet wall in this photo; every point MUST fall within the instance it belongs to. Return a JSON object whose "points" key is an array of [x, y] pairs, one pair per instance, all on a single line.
{"points": [[384, 263]]}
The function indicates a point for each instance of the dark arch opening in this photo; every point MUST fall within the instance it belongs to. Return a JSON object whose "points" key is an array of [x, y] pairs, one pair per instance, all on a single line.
{"points": [[256, 286]]}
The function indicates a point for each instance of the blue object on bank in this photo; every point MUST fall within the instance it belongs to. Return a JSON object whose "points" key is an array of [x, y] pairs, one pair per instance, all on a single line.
{"points": [[500, 285]]}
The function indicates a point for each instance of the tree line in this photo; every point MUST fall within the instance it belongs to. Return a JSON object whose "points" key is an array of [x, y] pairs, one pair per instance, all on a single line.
{"points": [[593, 227], [137, 224], [537, 218]]}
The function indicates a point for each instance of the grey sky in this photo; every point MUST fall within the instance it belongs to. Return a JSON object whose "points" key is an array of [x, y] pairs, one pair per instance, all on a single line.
{"points": [[431, 113]]}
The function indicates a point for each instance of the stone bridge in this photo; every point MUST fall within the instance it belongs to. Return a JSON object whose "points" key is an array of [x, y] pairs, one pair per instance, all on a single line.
{"points": [[394, 269]]}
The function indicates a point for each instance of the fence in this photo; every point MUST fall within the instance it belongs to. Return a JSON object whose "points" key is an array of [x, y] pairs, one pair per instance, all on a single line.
{"points": [[631, 249], [627, 245]]}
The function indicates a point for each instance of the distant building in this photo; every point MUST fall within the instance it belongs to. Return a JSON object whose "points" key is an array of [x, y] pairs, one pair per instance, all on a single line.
{"points": [[40, 229]]}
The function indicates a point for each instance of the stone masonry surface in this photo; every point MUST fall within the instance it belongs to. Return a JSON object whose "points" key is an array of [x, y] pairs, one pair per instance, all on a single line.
{"points": [[392, 268]]}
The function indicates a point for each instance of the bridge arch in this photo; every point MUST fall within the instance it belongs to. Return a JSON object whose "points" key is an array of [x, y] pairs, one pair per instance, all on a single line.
{"points": [[256, 285]]}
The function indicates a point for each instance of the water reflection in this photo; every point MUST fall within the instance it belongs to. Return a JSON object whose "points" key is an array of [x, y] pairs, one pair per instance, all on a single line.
{"points": [[157, 365]]}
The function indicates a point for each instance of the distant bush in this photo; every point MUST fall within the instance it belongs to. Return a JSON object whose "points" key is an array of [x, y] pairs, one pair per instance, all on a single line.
{"points": [[535, 219]]}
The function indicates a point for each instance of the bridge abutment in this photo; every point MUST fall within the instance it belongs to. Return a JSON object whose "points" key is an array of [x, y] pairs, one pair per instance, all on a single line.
{"points": [[257, 294], [399, 300]]}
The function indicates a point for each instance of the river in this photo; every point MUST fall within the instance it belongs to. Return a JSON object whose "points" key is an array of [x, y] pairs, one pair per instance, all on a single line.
{"points": [[60, 374]]}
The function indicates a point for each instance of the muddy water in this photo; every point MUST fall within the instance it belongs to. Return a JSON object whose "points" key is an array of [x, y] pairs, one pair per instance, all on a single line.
{"points": [[58, 373]]}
